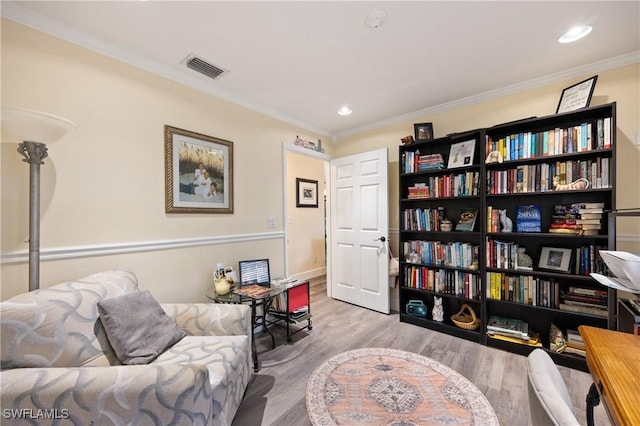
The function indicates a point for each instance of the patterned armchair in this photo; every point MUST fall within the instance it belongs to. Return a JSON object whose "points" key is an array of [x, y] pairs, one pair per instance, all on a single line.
{"points": [[57, 365]]}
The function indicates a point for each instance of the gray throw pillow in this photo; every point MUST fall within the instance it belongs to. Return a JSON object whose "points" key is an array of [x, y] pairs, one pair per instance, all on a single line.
{"points": [[138, 329]]}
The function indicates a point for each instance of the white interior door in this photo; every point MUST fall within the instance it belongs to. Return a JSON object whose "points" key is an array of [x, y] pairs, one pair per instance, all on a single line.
{"points": [[359, 230]]}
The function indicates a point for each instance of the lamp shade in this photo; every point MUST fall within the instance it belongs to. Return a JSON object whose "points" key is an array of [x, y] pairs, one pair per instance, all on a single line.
{"points": [[20, 125]]}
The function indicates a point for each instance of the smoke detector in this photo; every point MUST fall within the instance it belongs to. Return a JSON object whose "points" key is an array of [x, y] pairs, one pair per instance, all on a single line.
{"points": [[375, 18]]}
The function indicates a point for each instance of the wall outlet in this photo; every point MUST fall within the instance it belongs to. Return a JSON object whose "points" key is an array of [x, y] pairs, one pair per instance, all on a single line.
{"points": [[271, 221]]}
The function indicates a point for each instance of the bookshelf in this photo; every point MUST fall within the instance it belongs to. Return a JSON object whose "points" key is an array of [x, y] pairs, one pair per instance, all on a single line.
{"points": [[436, 262], [537, 273]]}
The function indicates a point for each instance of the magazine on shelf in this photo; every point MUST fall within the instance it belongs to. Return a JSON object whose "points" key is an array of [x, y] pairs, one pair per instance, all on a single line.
{"points": [[467, 219]]}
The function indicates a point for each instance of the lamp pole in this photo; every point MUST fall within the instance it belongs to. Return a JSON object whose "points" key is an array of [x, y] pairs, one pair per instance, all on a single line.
{"points": [[34, 153]]}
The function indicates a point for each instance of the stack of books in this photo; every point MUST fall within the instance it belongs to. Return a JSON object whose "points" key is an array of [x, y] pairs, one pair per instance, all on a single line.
{"points": [[585, 300], [575, 344], [512, 330], [589, 217], [418, 191], [430, 162], [563, 220]]}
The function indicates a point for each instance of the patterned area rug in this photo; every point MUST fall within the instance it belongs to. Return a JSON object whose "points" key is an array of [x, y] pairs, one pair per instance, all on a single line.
{"points": [[376, 386]]}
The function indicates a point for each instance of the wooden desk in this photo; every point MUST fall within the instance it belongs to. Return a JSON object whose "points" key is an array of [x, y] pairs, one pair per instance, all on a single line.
{"points": [[613, 359]]}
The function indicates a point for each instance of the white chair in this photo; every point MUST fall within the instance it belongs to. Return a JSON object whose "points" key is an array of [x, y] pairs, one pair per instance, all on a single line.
{"points": [[549, 401]]}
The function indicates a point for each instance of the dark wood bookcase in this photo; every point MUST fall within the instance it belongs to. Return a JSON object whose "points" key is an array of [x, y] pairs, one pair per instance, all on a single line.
{"points": [[575, 146]]}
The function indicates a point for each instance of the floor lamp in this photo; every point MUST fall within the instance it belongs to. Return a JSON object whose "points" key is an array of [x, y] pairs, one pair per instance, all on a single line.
{"points": [[33, 130]]}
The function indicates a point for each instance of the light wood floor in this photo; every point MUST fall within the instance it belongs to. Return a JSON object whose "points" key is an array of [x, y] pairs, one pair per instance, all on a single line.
{"points": [[276, 394]]}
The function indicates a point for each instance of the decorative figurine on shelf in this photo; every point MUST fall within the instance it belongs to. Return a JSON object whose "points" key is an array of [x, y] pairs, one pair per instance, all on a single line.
{"points": [[505, 221], [438, 310], [576, 185], [494, 157], [407, 140], [523, 260]]}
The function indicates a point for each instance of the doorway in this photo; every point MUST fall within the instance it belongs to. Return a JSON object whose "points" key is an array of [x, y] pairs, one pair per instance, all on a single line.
{"points": [[305, 226]]}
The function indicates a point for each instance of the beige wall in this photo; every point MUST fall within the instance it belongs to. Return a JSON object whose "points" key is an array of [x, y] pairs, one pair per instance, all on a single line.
{"points": [[103, 185], [621, 85], [305, 226]]}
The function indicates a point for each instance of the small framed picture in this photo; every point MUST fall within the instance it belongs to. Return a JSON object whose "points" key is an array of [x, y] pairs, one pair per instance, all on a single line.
{"points": [[423, 131], [306, 193], [555, 259], [577, 96]]}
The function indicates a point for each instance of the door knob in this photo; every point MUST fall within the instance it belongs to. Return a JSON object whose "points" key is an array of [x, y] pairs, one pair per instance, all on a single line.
{"points": [[383, 239]]}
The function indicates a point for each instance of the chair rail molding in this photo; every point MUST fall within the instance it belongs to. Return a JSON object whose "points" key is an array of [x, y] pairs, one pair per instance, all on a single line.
{"points": [[133, 247]]}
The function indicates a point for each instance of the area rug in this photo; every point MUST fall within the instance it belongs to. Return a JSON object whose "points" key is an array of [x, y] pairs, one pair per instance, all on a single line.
{"points": [[379, 386]]}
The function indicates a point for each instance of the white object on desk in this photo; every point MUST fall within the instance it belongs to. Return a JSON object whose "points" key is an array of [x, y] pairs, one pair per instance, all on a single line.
{"points": [[626, 268]]}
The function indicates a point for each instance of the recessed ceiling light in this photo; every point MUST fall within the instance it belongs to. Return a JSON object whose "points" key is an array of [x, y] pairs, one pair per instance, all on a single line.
{"points": [[575, 33], [345, 110]]}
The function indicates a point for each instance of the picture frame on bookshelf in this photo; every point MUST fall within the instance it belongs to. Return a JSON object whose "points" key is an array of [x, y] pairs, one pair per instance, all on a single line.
{"points": [[555, 259], [461, 154], [577, 96], [467, 219], [423, 131]]}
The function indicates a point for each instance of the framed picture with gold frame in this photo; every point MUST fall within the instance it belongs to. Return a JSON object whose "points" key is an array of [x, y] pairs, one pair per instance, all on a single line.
{"points": [[198, 172]]}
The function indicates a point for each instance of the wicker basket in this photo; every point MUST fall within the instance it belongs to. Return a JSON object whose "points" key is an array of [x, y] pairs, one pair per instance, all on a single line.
{"points": [[463, 320]]}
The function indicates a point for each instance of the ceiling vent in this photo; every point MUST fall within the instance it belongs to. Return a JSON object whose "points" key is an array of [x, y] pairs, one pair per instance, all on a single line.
{"points": [[204, 67]]}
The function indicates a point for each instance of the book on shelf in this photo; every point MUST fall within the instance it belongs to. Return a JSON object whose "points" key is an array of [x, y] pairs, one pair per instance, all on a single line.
{"points": [[509, 327], [532, 341], [528, 218], [590, 310], [568, 350], [467, 219]]}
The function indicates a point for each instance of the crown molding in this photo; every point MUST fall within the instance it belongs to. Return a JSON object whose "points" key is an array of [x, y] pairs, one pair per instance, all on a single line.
{"points": [[14, 12], [604, 65], [186, 77]]}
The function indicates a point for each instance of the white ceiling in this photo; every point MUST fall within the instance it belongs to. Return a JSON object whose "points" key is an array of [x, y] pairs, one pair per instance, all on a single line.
{"points": [[300, 61]]}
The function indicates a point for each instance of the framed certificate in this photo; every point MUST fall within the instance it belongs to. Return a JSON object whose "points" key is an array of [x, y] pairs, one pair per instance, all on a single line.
{"points": [[461, 154], [577, 96]]}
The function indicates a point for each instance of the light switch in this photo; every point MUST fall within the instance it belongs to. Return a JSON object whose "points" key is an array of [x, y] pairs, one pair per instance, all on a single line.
{"points": [[271, 221]]}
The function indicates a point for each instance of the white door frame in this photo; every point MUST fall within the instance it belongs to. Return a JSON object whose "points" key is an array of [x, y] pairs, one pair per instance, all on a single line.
{"points": [[288, 147]]}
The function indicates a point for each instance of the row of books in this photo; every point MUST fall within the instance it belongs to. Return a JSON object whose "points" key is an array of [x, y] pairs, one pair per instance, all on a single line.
{"points": [[422, 219], [413, 161], [457, 283], [454, 254], [524, 289], [452, 185], [540, 177], [554, 141], [588, 260], [505, 255]]}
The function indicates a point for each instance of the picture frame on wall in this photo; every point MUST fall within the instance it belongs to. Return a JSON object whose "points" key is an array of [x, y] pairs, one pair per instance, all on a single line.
{"points": [[306, 192], [423, 131], [555, 259], [198, 172], [577, 96]]}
